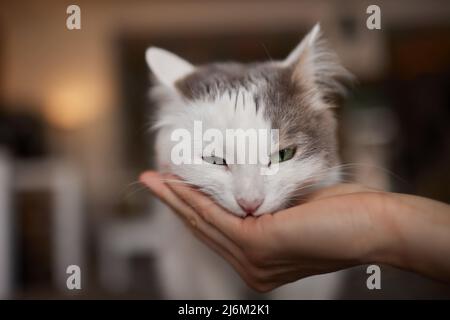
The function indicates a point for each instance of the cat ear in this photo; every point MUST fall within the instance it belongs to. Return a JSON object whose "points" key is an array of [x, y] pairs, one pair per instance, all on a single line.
{"points": [[166, 66], [308, 42], [317, 68]]}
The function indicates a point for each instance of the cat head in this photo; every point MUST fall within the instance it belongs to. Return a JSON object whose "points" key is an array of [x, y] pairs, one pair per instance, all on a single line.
{"points": [[294, 97]]}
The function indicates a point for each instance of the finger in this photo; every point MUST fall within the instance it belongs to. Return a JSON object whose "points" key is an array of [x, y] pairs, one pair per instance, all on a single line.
{"points": [[212, 235], [155, 182], [244, 269], [237, 265], [230, 225], [206, 232]]}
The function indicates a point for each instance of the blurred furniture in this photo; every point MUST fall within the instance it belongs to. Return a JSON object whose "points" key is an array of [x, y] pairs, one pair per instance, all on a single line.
{"points": [[120, 243], [62, 181], [5, 226]]}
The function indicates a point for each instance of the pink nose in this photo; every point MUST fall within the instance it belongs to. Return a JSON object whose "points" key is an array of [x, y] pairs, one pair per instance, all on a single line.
{"points": [[249, 206]]}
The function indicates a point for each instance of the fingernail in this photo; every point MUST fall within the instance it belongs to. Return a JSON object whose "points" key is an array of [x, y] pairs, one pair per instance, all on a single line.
{"points": [[148, 178]]}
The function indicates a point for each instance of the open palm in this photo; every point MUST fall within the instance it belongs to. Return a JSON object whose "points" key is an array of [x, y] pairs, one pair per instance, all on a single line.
{"points": [[316, 237]]}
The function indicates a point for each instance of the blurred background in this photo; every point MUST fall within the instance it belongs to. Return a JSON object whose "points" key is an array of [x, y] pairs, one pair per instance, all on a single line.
{"points": [[74, 118]]}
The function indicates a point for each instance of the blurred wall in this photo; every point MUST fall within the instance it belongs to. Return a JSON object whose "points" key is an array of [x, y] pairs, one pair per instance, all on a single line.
{"points": [[70, 76]]}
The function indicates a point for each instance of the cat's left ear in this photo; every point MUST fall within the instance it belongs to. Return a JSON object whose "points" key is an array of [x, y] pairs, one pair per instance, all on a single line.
{"points": [[166, 66], [316, 67]]}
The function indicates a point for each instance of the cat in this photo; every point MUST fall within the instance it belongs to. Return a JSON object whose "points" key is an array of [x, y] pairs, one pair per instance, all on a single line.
{"points": [[295, 96]]}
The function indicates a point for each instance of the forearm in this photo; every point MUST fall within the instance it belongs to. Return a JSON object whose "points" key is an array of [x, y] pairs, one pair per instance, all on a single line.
{"points": [[419, 238]]}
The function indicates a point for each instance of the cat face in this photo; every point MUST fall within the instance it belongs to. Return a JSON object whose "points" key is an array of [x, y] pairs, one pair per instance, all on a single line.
{"points": [[291, 97]]}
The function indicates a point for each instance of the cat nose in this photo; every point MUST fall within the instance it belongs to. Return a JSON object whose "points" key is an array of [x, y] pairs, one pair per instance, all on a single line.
{"points": [[249, 206]]}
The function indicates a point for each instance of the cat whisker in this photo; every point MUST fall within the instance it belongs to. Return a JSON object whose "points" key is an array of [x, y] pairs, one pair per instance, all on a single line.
{"points": [[352, 165], [135, 184], [175, 181]]}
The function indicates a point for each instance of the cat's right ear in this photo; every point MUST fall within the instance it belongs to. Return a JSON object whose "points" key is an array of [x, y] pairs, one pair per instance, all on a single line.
{"points": [[317, 68], [166, 66]]}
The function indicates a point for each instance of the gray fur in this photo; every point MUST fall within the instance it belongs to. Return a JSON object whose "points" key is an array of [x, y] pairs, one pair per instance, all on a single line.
{"points": [[287, 103]]}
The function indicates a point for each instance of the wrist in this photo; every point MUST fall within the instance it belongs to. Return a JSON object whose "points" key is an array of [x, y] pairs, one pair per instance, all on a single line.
{"points": [[387, 245], [413, 235]]}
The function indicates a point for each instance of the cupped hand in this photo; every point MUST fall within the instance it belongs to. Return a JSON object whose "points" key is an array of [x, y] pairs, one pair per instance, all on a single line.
{"points": [[338, 227]]}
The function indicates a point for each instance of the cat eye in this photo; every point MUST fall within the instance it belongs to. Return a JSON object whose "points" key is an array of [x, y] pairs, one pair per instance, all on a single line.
{"points": [[215, 160], [283, 155]]}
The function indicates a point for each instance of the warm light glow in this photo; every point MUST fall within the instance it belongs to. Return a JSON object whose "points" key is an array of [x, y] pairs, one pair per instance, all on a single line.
{"points": [[72, 106]]}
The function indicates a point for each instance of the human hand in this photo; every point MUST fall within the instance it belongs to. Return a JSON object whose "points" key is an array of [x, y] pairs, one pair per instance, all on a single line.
{"points": [[338, 227]]}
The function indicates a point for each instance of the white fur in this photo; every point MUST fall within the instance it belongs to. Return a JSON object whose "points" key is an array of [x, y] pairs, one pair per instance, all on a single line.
{"points": [[187, 270], [243, 180]]}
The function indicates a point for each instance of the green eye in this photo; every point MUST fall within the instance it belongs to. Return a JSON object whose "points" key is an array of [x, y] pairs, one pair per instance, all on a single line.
{"points": [[215, 160], [283, 155]]}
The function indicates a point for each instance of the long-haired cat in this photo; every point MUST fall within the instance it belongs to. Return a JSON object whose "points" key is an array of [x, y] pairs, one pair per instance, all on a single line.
{"points": [[295, 96]]}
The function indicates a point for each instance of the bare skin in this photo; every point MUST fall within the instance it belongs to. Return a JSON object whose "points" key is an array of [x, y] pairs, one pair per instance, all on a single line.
{"points": [[339, 227]]}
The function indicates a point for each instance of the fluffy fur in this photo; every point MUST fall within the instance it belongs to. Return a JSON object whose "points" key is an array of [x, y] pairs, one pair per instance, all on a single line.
{"points": [[295, 96]]}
